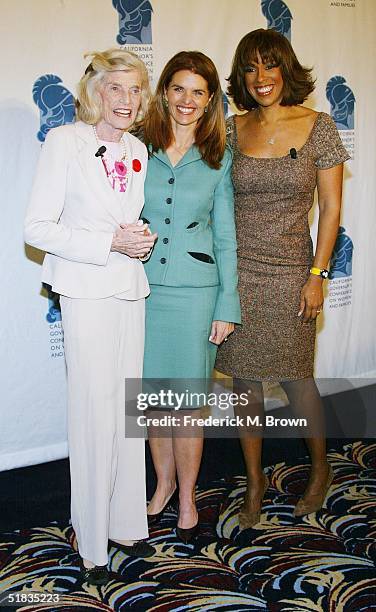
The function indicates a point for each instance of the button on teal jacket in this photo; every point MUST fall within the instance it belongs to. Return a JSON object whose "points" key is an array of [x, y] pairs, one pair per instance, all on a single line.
{"points": [[191, 206]]}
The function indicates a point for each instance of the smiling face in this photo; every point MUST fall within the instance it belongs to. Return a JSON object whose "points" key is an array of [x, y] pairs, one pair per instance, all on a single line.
{"points": [[264, 82], [120, 92], [187, 96]]}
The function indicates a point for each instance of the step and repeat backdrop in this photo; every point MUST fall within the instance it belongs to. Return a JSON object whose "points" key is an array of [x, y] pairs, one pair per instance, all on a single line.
{"points": [[43, 43]]}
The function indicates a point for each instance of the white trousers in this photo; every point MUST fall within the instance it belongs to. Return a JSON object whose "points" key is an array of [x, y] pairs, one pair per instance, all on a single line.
{"points": [[104, 344]]}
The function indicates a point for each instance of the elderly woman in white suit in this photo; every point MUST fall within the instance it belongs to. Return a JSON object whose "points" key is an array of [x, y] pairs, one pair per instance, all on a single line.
{"points": [[84, 212]]}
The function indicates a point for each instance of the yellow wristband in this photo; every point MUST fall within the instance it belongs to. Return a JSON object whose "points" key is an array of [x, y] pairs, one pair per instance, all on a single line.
{"points": [[320, 272]]}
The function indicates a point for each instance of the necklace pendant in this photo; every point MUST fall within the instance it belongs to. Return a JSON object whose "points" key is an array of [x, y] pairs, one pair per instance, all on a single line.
{"points": [[271, 141]]}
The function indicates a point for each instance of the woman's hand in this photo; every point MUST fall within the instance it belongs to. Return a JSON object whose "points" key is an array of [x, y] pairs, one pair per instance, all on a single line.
{"points": [[311, 298], [220, 330], [329, 185], [133, 239]]}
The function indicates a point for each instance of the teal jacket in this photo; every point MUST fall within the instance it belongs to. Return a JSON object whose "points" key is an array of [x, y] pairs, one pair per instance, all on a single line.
{"points": [[191, 206]]}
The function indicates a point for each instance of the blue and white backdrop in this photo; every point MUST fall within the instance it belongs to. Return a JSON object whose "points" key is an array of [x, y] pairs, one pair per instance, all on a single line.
{"points": [[42, 48]]}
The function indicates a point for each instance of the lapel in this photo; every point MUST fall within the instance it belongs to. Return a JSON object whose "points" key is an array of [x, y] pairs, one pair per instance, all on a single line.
{"points": [[94, 172], [193, 154]]}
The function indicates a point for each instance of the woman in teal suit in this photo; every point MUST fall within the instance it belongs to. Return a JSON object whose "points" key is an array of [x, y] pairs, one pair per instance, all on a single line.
{"points": [[194, 301]]}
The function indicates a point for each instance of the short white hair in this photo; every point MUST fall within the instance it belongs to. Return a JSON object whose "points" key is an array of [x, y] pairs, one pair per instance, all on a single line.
{"points": [[89, 102]]}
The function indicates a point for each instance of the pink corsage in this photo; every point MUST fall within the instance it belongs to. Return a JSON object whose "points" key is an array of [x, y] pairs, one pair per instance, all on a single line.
{"points": [[136, 165], [120, 168]]}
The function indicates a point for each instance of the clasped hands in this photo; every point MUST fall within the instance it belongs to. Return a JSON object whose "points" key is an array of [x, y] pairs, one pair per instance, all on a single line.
{"points": [[133, 239]]}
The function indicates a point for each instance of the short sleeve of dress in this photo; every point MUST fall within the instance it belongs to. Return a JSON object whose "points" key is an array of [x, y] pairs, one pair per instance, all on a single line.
{"points": [[230, 131], [329, 148]]}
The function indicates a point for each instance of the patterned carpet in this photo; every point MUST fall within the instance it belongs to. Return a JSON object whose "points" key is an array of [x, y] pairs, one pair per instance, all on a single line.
{"points": [[323, 562]]}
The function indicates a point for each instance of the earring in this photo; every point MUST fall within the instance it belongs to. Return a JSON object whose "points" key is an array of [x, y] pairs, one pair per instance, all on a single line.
{"points": [[205, 109], [165, 102]]}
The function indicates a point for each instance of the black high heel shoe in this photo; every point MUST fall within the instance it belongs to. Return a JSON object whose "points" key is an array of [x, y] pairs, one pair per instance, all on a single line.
{"points": [[96, 576], [188, 535], [153, 519]]}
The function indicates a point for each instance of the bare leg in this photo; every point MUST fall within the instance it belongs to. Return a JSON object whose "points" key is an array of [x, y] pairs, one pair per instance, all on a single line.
{"points": [[306, 402], [251, 443], [164, 463], [188, 453]]}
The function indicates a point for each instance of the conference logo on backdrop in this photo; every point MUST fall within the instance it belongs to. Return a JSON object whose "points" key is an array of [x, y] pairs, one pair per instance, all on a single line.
{"points": [[53, 318], [135, 31], [340, 274], [55, 103], [342, 110], [54, 312], [56, 107], [278, 16]]}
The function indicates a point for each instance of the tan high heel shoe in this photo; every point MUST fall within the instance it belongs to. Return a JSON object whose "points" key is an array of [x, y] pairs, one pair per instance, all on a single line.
{"points": [[247, 520], [316, 500]]}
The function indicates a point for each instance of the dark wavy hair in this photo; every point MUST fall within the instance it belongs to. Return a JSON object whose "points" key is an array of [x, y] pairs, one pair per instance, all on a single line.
{"points": [[275, 48], [210, 136]]}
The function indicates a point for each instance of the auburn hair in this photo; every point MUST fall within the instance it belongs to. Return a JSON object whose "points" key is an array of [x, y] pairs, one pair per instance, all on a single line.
{"points": [[275, 48], [210, 134]]}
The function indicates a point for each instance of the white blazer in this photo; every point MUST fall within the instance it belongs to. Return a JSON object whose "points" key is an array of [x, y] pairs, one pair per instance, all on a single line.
{"points": [[74, 211]]}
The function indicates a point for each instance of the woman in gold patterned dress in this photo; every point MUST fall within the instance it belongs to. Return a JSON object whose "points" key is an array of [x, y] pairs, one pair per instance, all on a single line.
{"points": [[283, 151]]}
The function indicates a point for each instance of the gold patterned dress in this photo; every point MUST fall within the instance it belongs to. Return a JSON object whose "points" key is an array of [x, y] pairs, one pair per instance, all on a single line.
{"points": [[272, 200]]}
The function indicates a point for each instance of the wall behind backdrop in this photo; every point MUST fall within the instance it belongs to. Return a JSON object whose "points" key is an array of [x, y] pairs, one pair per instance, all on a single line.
{"points": [[42, 48]]}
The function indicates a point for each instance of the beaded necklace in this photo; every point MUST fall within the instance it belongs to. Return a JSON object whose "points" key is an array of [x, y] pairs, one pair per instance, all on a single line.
{"points": [[117, 172]]}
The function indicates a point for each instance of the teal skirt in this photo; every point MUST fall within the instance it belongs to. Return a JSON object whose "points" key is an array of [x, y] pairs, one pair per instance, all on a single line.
{"points": [[178, 325]]}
